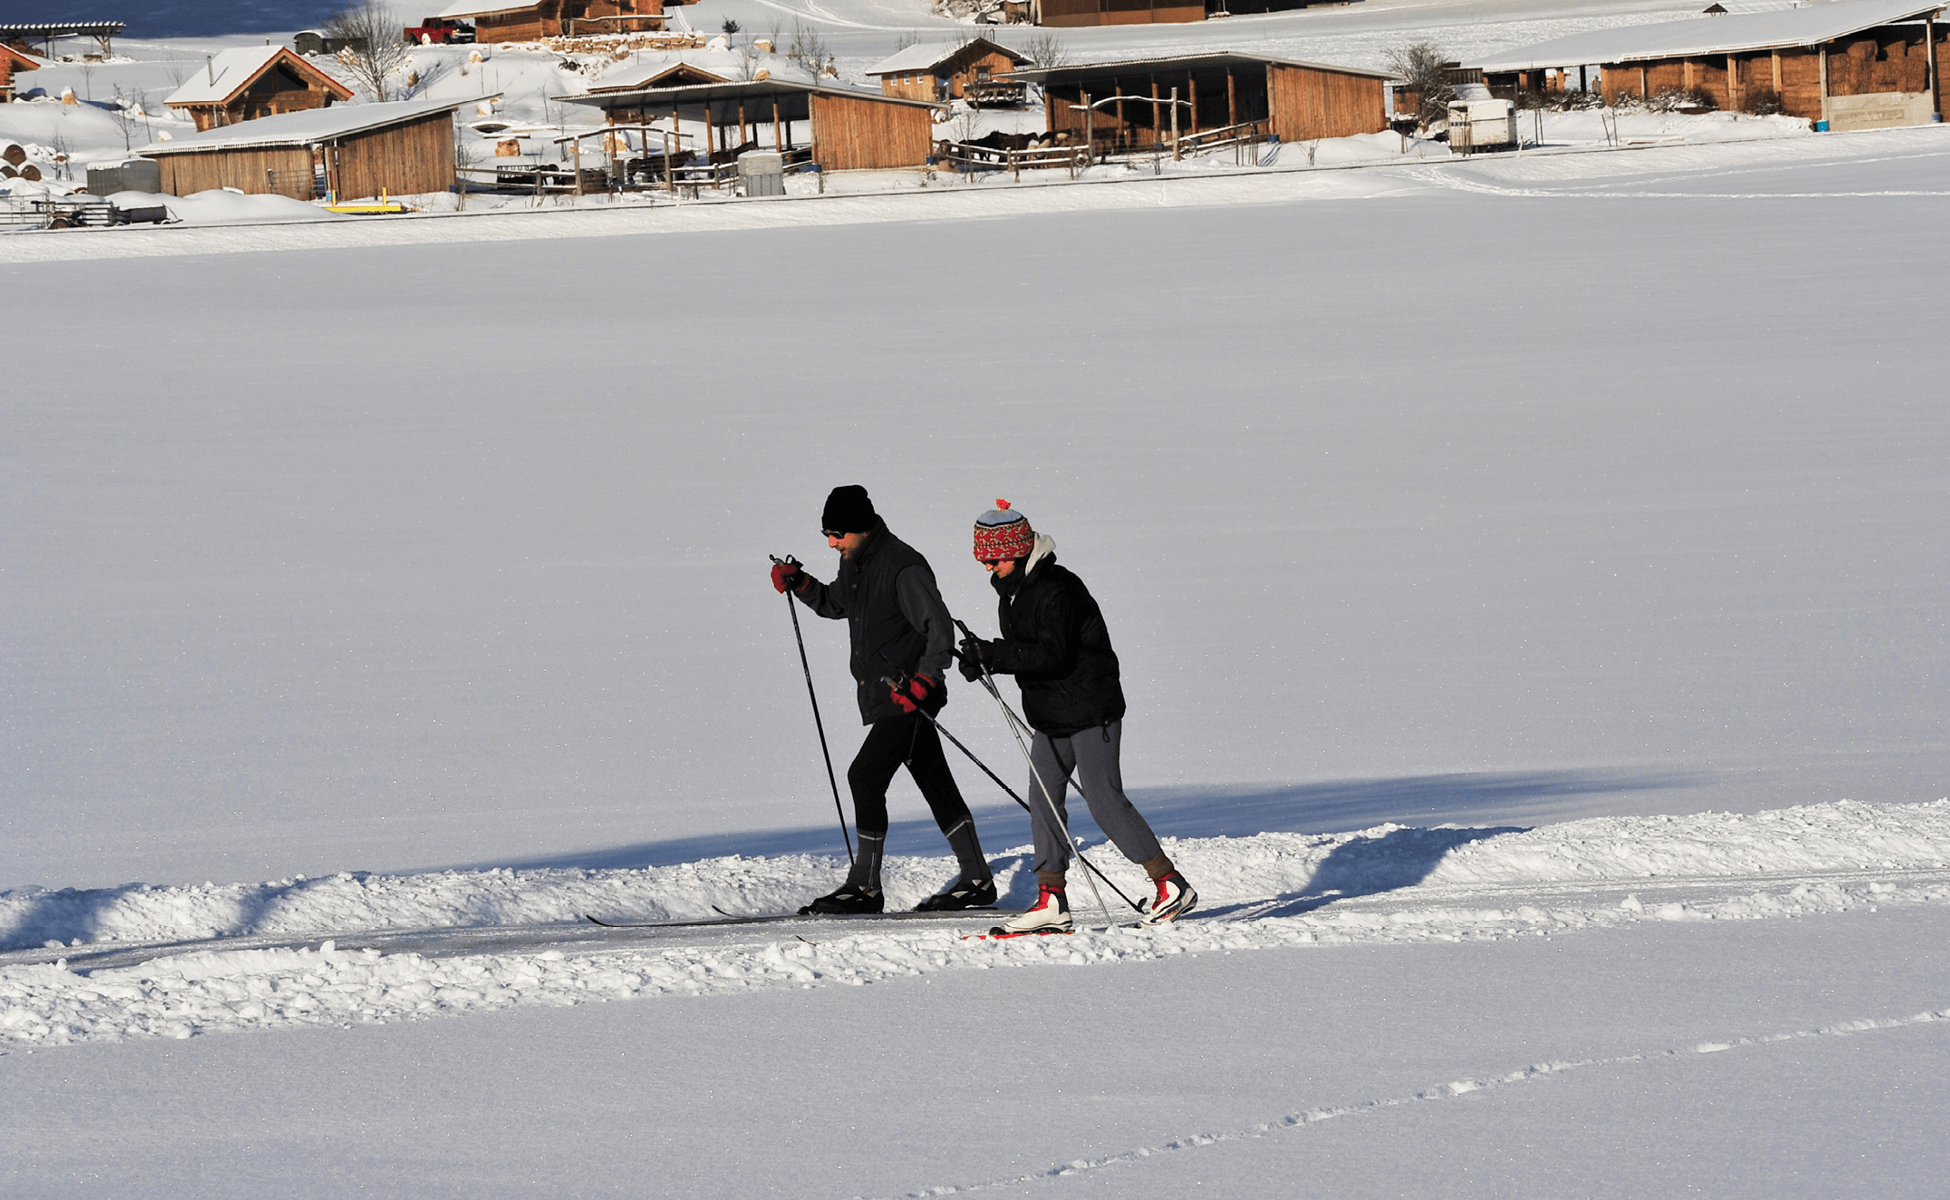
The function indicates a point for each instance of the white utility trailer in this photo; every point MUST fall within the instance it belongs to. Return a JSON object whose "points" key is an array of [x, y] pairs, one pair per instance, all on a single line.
{"points": [[1479, 121]]}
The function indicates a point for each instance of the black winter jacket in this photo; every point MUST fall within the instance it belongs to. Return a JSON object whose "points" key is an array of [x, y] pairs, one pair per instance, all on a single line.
{"points": [[1055, 644], [895, 620]]}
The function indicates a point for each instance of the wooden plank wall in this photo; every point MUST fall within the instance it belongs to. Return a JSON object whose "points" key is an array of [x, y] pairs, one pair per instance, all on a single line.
{"points": [[1892, 59], [862, 134], [187, 174], [1217, 103], [400, 160], [1306, 104], [1075, 13]]}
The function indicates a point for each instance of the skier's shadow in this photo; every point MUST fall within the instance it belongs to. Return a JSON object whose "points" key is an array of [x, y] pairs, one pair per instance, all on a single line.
{"points": [[1366, 866]]}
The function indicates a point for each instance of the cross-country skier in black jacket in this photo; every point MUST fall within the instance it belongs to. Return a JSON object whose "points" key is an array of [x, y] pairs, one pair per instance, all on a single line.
{"points": [[1055, 644], [899, 630]]}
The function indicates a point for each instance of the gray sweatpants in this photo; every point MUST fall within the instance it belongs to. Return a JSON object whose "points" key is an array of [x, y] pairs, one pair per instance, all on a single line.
{"points": [[1092, 754]]}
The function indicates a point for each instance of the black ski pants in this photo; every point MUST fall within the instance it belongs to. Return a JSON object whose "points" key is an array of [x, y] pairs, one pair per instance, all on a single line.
{"points": [[908, 738]]}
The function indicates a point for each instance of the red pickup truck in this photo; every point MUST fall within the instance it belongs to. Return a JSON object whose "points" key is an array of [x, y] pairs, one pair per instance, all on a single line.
{"points": [[432, 31]]}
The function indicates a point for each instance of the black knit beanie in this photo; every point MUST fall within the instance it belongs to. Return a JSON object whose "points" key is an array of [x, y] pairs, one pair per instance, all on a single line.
{"points": [[849, 511]]}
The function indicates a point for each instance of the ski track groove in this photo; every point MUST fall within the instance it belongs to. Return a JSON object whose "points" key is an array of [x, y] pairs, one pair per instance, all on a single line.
{"points": [[1452, 1090]]}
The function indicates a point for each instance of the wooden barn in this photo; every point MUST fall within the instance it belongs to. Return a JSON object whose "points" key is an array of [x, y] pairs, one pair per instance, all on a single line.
{"points": [[1856, 64], [347, 152], [252, 82], [1223, 90], [500, 21], [942, 71], [11, 61], [842, 129], [1075, 13]]}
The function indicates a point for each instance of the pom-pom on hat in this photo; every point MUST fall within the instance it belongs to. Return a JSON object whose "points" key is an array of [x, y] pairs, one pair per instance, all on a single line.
{"points": [[1003, 533], [848, 510]]}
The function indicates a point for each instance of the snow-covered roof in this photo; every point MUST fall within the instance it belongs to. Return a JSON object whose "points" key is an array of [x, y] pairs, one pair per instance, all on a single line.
{"points": [[229, 71], [1701, 36], [1205, 58], [311, 126], [927, 54], [479, 8], [648, 68]]}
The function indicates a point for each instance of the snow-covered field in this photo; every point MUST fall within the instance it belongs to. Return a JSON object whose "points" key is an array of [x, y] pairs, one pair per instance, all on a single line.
{"points": [[1529, 575]]}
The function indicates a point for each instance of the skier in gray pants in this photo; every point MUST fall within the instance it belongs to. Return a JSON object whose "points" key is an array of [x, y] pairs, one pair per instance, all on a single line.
{"points": [[1055, 644]]}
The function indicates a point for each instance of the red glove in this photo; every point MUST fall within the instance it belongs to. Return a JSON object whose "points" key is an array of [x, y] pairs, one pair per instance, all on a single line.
{"points": [[787, 577], [915, 694]]}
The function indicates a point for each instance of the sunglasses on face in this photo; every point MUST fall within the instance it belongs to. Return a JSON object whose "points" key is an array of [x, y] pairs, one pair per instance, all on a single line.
{"points": [[835, 534]]}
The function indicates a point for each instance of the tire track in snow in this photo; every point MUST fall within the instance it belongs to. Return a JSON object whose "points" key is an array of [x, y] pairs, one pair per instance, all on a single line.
{"points": [[1451, 1090]]}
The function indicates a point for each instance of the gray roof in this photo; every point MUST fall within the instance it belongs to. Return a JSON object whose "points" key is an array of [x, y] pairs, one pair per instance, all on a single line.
{"points": [[1179, 62], [1703, 35], [309, 127]]}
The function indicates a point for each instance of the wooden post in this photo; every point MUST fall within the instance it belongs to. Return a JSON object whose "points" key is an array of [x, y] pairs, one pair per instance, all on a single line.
{"points": [[1089, 129], [1174, 125], [1157, 126], [1645, 86], [1191, 83], [1733, 92], [1824, 82], [778, 142], [1686, 74], [741, 121], [1232, 99], [1929, 62], [575, 151], [1776, 53]]}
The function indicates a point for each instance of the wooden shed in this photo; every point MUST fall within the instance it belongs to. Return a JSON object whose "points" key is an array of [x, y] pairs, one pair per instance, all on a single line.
{"points": [[347, 152], [1076, 13], [1223, 90], [942, 71], [12, 60], [842, 129], [1856, 64], [252, 82], [500, 21]]}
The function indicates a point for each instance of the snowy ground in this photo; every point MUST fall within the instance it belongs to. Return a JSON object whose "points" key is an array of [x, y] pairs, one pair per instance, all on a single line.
{"points": [[1529, 575]]}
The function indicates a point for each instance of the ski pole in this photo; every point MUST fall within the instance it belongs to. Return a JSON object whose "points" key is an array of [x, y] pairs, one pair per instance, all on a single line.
{"points": [[1024, 805], [805, 665], [1069, 843]]}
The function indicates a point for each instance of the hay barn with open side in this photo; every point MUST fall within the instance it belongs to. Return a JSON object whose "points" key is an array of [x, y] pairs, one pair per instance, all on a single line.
{"points": [[846, 129], [1856, 64], [1129, 100]]}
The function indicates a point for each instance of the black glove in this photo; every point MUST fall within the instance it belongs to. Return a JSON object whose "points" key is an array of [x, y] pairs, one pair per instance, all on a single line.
{"points": [[972, 650]]}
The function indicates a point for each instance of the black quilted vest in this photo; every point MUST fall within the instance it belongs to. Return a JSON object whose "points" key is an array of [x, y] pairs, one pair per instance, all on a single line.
{"points": [[883, 642]]}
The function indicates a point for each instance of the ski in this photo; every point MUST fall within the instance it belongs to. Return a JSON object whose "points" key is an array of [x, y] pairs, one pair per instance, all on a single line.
{"points": [[999, 934], [726, 918]]}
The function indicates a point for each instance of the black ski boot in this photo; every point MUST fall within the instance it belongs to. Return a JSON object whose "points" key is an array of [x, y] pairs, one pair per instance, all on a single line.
{"points": [[849, 899], [962, 893]]}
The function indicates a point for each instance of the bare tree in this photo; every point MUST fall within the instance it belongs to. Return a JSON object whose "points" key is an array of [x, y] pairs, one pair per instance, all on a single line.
{"points": [[1422, 66], [1046, 50], [375, 45], [808, 49]]}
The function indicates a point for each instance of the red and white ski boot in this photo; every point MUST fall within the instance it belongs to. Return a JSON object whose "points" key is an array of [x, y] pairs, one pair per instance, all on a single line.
{"points": [[1175, 898], [1050, 914]]}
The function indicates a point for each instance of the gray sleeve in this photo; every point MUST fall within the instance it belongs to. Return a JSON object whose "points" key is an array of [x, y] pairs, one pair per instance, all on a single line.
{"points": [[924, 609]]}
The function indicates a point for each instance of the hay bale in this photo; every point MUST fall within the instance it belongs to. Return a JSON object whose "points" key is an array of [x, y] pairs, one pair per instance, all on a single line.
{"points": [[13, 155], [31, 173]]}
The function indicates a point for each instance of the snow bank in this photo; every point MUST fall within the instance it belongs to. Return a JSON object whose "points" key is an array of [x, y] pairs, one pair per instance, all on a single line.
{"points": [[1844, 836], [214, 991]]}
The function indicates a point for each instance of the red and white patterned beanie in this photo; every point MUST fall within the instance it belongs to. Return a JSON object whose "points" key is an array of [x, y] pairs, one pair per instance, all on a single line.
{"points": [[1003, 533]]}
